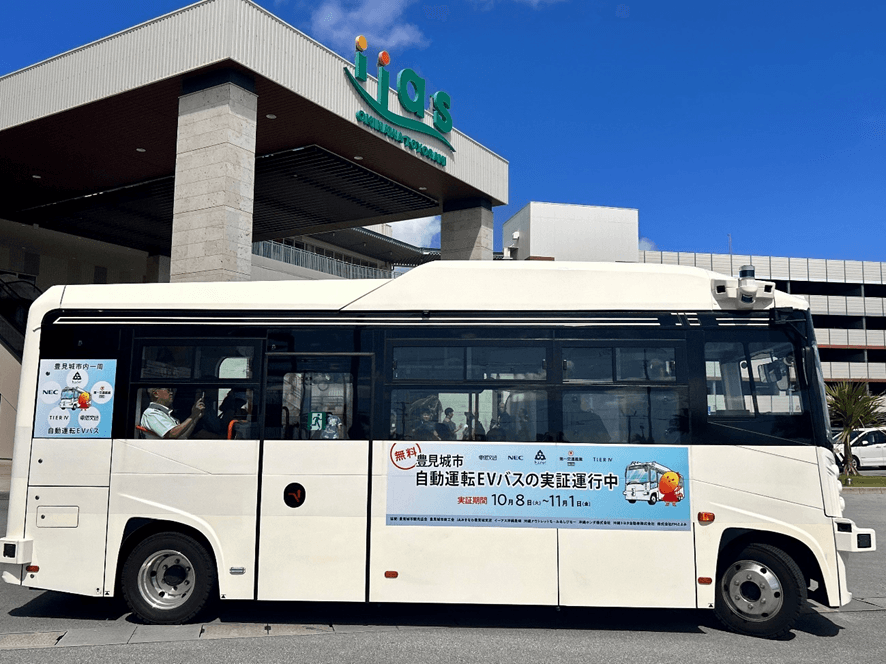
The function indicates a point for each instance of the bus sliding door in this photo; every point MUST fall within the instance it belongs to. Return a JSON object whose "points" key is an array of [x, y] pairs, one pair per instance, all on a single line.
{"points": [[314, 478]]}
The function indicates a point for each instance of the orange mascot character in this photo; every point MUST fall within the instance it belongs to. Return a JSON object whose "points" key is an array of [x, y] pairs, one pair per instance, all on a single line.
{"points": [[670, 489]]}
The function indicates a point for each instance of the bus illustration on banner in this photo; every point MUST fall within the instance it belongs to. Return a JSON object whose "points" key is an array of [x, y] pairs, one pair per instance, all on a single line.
{"points": [[73, 398], [650, 481]]}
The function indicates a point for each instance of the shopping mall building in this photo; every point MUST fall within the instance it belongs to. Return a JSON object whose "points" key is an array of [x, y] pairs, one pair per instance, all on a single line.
{"points": [[218, 143]]}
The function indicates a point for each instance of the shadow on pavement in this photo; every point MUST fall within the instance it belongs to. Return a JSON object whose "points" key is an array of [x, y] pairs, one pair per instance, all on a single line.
{"points": [[61, 605], [51, 604]]}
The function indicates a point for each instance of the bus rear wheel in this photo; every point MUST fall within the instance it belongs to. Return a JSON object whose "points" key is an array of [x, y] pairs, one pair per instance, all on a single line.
{"points": [[168, 579], [760, 592]]}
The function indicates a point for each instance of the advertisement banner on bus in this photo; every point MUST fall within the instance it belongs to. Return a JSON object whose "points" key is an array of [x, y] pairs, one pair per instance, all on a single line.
{"points": [[538, 486], [75, 399]]}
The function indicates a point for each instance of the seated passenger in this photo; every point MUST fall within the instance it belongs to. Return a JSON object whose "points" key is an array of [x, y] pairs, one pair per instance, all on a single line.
{"points": [[427, 428], [158, 420], [583, 425]]}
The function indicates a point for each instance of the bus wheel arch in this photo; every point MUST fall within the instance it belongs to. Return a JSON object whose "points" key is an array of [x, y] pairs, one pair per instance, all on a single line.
{"points": [[157, 556], [733, 540]]}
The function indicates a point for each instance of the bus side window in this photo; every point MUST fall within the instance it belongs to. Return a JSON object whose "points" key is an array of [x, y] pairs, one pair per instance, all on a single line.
{"points": [[626, 415], [317, 405], [447, 414], [318, 398]]}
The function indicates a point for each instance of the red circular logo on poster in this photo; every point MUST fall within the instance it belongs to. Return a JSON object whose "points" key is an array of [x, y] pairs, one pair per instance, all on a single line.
{"points": [[405, 454]]}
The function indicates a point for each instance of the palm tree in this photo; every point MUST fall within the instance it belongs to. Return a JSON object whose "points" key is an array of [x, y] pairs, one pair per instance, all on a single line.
{"points": [[852, 408]]}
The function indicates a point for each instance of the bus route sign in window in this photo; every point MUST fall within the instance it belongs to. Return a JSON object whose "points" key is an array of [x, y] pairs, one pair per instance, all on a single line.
{"points": [[76, 399]]}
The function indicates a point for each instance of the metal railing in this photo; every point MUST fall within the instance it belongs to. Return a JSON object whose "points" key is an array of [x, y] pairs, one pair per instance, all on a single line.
{"points": [[311, 261]]}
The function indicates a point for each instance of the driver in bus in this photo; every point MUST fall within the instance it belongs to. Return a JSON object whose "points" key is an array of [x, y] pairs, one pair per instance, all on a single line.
{"points": [[158, 420]]}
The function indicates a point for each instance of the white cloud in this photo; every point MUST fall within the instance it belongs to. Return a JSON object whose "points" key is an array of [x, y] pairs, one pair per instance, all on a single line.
{"points": [[535, 4], [337, 23], [418, 232], [647, 245]]}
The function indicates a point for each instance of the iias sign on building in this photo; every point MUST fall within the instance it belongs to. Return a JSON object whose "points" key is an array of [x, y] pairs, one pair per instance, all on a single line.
{"points": [[411, 94]]}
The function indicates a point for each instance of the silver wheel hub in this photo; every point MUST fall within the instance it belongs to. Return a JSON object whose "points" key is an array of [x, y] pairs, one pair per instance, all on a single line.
{"points": [[752, 591], [166, 579]]}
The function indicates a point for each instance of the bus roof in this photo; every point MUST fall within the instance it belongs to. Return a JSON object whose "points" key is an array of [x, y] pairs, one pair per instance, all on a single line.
{"points": [[447, 286]]}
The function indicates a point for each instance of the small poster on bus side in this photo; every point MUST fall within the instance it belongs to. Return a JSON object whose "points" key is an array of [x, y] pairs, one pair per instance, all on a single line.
{"points": [[567, 485], [75, 399]]}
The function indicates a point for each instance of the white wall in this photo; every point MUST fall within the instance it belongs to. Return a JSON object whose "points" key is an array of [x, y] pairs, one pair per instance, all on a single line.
{"points": [[519, 224], [575, 232]]}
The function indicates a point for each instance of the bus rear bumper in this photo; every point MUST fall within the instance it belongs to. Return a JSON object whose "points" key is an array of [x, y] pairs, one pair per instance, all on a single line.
{"points": [[852, 539]]}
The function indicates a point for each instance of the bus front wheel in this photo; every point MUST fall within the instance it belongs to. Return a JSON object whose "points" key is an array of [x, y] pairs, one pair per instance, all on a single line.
{"points": [[168, 579], [760, 592]]}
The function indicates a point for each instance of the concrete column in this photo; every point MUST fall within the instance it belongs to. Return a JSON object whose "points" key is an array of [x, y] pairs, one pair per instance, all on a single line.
{"points": [[466, 231], [157, 269], [214, 185]]}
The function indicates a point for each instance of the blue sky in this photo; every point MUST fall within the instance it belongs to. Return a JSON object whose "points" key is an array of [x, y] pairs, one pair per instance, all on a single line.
{"points": [[763, 120]]}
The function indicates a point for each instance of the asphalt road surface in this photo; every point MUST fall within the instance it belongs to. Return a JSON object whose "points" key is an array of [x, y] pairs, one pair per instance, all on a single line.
{"points": [[40, 626]]}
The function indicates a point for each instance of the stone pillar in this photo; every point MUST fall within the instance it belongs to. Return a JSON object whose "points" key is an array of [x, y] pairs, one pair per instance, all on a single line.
{"points": [[466, 230], [157, 269], [214, 185]]}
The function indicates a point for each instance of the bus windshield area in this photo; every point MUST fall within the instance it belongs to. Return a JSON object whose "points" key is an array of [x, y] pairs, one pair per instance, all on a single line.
{"points": [[755, 386]]}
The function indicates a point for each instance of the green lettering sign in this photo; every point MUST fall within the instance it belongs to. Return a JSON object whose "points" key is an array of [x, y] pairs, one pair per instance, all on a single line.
{"points": [[412, 100]]}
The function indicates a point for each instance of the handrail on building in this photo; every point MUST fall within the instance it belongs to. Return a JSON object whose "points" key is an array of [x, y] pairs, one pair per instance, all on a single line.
{"points": [[311, 261]]}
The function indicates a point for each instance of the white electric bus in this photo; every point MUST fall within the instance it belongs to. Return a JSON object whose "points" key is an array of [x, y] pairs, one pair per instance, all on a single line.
{"points": [[461, 434]]}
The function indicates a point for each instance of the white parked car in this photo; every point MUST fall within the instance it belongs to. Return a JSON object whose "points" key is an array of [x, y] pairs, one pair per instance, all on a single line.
{"points": [[868, 448]]}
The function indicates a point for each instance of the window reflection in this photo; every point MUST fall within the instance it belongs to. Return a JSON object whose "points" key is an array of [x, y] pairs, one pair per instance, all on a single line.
{"points": [[497, 415], [632, 415]]}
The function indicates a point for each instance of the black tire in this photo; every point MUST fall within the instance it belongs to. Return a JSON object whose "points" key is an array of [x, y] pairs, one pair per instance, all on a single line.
{"points": [[188, 582], [758, 575], [653, 499], [856, 463], [631, 501]]}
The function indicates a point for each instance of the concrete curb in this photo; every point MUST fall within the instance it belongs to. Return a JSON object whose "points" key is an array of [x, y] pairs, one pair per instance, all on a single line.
{"points": [[864, 489]]}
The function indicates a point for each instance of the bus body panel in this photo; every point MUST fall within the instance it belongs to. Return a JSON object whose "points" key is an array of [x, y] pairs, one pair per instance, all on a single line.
{"points": [[788, 474], [455, 564], [314, 546], [763, 481], [207, 485], [24, 417], [737, 509], [627, 568], [62, 520], [53, 458]]}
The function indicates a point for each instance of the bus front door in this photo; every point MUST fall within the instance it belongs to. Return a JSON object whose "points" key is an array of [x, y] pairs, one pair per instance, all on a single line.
{"points": [[314, 478]]}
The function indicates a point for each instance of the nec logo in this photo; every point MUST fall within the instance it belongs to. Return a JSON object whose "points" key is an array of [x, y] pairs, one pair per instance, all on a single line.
{"points": [[515, 458], [50, 391]]}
